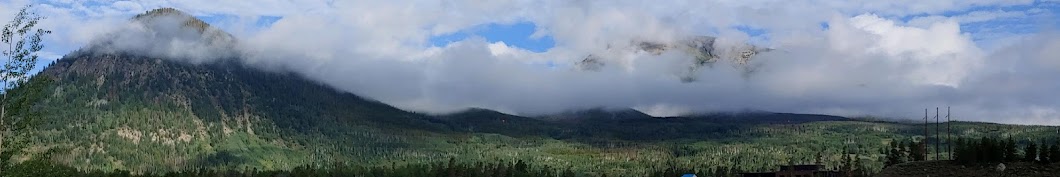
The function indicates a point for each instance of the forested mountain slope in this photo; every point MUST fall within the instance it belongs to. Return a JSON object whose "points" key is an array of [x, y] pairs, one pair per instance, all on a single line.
{"points": [[105, 109]]}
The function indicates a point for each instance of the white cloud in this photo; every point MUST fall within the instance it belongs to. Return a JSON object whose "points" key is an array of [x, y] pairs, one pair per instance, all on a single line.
{"points": [[865, 63], [943, 55]]}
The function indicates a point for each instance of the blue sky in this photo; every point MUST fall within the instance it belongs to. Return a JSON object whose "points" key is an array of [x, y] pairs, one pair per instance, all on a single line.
{"points": [[1002, 27], [517, 34]]}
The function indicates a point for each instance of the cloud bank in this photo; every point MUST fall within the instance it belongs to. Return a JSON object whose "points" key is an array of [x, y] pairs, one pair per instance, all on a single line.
{"points": [[850, 58]]}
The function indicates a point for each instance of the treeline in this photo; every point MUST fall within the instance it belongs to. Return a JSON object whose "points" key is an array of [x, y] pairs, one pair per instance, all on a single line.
{"points": [[986, 150], [852, 165], [982, 150], [44, 168], [901, 151], [37, 168]]}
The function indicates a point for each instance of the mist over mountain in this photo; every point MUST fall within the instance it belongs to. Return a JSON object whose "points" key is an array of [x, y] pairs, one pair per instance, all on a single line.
{"points": [[110, 107], [171, 34], [841, 58], [174, 35], [621, 94], [825, 61]]}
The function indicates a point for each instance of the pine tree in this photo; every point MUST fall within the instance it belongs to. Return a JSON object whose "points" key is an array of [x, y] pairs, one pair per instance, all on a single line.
{"points": [[999, 149], [450, 170], [858, 166], [1010, 151], [893, 156], [906, 151], [819, 159], [923, 150], [845, 165], [520, 166], [1043, 154], [916, 152], [1030, 154], [972, 150], [958, 151], [1054, 153], [987, 151]]}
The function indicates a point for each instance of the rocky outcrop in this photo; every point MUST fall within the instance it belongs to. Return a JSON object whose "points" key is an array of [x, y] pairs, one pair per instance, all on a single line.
{"points": [[705, 52]]}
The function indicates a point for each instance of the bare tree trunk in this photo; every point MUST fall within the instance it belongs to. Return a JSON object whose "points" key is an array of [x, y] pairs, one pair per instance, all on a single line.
{"points": [[3, 102], [3, 131]]}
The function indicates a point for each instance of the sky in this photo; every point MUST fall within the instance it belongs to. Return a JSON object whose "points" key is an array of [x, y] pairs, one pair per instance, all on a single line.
{"points": [[989, 60]]}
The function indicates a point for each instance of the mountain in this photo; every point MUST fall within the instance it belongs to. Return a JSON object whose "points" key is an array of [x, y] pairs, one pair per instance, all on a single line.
{"points": [[217, 114], [128, 102], [596, 114], [489, 121], [168, 33], [153, 18], [703, 51], [765, 117], [104, 110], [145, 108]]}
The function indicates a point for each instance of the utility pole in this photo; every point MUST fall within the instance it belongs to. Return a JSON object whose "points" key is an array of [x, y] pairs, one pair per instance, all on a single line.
{"points": [[938, 141]]}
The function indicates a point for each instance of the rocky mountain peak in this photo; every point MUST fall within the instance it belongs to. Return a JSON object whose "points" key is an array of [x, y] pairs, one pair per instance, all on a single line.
{"points": [[168, 33], [704, 49]]}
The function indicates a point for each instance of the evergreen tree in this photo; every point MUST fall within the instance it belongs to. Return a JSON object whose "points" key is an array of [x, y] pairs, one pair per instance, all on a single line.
{"points": [[521, 167], [1030, 154], [858, 167], [846, 167], [958, 151], [1043, 154], [569, 173], [893, 156], [906, 151], [1010, 151], [923, 150], [997, 150], [450, 169], [916, 151], [987, 151], [819, 159], [974, 151], [1054, 153]]}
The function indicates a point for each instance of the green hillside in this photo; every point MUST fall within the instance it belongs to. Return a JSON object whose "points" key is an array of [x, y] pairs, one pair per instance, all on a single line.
{"points": [[121, 111], [112, 111]]}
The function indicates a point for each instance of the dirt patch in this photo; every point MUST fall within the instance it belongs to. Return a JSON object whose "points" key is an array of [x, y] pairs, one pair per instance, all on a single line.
{"points": [[947, 168]]}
